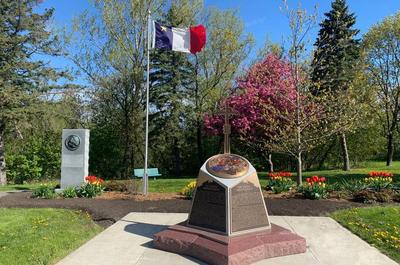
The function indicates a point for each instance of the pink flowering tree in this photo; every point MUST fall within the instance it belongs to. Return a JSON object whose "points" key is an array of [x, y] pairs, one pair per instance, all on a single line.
{"points": [[274, 112], [277, 109], [263, 94]]}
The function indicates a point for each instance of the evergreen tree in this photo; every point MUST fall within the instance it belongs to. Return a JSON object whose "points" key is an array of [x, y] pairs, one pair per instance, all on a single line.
{"points": [[23, 34], [337, 52], [171, 79]]}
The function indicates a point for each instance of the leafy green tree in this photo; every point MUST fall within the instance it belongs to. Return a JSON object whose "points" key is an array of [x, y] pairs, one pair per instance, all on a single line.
{"points": [[382, 48], [111, 53], [23, 78], [335, 58], [216, 67], [109, 47], [298, 135], [356, 106], [307, 120], [269, 48], [33, 148]]}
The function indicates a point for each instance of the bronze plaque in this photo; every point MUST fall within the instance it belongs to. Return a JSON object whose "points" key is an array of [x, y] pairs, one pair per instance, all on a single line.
{"points": [[209, 207], [248, 211]]}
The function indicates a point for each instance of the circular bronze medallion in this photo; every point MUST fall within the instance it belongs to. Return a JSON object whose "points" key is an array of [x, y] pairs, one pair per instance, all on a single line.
{"points": [[72, 142], [227, 166]]}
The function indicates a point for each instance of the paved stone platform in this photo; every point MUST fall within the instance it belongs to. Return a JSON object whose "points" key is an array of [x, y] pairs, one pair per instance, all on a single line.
{"points": [[219, 249], [129, 242]]}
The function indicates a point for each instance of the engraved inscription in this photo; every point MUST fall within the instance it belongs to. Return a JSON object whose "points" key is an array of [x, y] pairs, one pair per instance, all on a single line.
{"points": [[209, 207], [248, 210]]}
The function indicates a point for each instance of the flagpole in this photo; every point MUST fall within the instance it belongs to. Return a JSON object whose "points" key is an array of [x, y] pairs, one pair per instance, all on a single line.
{"points": [[145, 175]]}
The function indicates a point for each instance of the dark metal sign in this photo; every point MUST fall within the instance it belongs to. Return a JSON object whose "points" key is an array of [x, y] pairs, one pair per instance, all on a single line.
{"points": [[72, 142]]}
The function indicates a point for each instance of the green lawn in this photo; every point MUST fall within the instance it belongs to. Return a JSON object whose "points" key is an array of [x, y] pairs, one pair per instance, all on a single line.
{"points": [[168, 185], [25, 186], [379, 226], [42, 236]]}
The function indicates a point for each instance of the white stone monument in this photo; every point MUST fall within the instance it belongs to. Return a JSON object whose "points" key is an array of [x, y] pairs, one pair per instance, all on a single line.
{"points": [[75, 157]]}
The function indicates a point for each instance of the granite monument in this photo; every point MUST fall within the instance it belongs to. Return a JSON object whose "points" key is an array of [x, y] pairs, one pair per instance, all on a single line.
{"points": [[75, 157]]}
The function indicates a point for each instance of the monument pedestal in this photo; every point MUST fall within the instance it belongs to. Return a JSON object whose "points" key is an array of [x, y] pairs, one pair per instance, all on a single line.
{"points": [[228, 221], [217, 249]]}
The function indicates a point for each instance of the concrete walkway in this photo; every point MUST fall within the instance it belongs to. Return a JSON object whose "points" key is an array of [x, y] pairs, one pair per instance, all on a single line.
{"points": [[129, 242]]}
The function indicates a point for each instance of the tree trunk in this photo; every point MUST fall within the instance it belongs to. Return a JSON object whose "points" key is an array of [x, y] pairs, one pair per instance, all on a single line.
{"points": [[271, 164], [390, 149], [299, 170], [325, 155], [177, 159], [345, 153], [3, 176]]}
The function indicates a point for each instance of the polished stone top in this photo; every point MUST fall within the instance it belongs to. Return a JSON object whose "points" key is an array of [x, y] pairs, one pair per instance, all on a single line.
{"points": [[227, 166]]}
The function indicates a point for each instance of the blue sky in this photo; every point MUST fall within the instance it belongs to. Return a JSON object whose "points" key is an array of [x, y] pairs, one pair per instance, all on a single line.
{"points": [[262, 18]]}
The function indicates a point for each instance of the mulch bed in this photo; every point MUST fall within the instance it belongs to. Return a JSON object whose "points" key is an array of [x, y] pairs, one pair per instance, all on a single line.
{"points": [[111, 207]]}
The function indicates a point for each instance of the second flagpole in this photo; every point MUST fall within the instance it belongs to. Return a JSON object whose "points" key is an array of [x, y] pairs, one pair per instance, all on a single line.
{"points": [[146, 152]]}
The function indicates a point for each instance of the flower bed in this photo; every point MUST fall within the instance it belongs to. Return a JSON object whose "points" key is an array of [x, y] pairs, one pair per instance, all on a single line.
{"points": [[377, 186], [378, 180], [188, 190], [90, 189], [280, 182], [315, 188]]}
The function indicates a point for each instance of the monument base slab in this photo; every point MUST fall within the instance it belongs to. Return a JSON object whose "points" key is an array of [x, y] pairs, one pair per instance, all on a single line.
{"points": [[219, 249]]}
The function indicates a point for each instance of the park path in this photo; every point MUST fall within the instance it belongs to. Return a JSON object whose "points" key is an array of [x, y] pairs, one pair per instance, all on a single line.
{"points": [[129, 242]]}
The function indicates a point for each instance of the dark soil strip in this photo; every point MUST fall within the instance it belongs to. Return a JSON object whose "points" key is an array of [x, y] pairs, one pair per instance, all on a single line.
{"points": [[106, 212]]}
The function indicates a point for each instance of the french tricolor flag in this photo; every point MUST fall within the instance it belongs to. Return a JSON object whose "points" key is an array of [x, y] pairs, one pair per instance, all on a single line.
{"points": [[190, 40]]}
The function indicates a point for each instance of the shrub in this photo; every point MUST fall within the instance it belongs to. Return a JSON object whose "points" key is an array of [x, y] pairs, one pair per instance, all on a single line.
{"points": [[44, 192], [384, 196], [396, 186], [188, 190], [36, 157], [280, 182], [396, 197], [378, 180], [20, 168], [69, 192], [131, 185], [116, 185], [371, 196], [315, 188], [92, 188]]}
